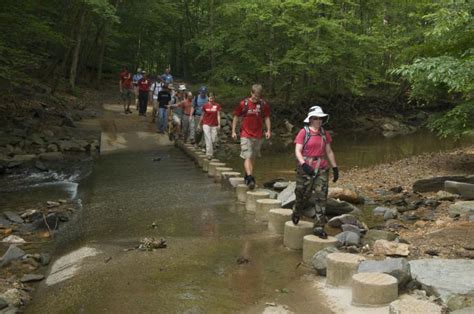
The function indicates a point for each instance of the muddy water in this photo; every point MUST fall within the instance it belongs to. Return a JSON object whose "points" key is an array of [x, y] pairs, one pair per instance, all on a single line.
{"points": [[205, 229]]}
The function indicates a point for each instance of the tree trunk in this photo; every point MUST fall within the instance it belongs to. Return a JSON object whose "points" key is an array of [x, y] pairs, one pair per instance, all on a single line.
{"points": [[101, 55], [77, 50]]}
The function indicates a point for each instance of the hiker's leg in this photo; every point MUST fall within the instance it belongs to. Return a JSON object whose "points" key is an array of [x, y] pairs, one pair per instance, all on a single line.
{"points": [[208, 139]]}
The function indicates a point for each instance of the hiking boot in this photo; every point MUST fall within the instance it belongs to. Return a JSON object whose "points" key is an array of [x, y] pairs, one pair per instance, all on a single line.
{"points": [[251, 183], [319, 232], [295, 217]]}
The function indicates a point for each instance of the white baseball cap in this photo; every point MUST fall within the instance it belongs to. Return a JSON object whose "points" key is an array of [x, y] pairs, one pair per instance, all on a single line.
{"points": [[315, 111]]}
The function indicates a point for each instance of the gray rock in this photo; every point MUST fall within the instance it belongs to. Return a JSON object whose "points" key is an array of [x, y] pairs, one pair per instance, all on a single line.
{"points": [[40, 166], [338, 221], [14, 164], [348, 238], [280, 186], [12, 297], [445, 196], [466, 190], [51, 156], [3, 304], [461, 208], [4, 222], [380, 210], [352, 228], [287, 196], [390, 214], [319, 259], [397, 267], [335, 207], [52, 221], [374, 235], [45, 259], [13, 253], [437, 183], [31, 278], [449, 279], [13, 217]]}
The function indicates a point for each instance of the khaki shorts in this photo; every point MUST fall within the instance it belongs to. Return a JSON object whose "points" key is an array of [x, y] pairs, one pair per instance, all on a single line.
{"points": [[250, 147]]}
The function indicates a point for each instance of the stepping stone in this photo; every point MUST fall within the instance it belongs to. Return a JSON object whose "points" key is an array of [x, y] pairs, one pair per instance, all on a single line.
{"points": [[241, 191], [206, 162], [264, 206], [373, 289], [293, 234], [313, 244], [219, 171], [341, 267], [252, 197], [277, 218], [212, 168], [233, 182], [200, 159], [226, 175], [411, 305]]}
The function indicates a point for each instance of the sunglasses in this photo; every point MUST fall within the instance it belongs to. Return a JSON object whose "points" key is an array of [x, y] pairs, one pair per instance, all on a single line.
{"points": [[316, 118]]}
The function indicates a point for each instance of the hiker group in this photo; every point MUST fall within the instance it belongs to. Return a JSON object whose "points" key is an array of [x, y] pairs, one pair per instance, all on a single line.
{"points": [[196, 119]]}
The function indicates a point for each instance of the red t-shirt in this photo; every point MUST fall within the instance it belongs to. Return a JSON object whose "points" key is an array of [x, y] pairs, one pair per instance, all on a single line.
{"points": [[316, 147], [252, 121], [210, 113], [187, 105], [144, 85], [126, 79]]}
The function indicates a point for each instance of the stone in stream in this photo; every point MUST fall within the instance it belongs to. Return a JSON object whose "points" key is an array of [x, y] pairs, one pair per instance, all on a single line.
{"points": [[388, 248], [461, 208], [343, 194], [13, 239], [445, 196], [52, 221], [450, 279], [40, 166], [319, 259], [13, 253], [51, 156], [280, 186], [348, 238], [336, 207], [12, 297], [14, 217], [373, 235], [287, 196], [396, 267], [31, 278], [466, 190], [338, 221], [379, 210], [390, 214], [4, 222], [352, 228]]}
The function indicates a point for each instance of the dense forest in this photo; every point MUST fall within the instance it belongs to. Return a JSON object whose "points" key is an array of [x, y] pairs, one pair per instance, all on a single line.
{"points": [[352, 55]]}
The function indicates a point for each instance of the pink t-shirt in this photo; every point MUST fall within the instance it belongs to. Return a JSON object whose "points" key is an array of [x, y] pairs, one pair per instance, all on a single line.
{"points": [[316, 147]]}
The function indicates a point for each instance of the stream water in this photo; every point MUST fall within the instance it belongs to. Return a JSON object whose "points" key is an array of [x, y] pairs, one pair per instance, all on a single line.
{"points": [[205, 229]]}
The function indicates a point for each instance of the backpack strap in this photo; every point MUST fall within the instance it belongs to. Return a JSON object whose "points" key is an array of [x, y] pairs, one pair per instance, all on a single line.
{"points": [[307, 135]]}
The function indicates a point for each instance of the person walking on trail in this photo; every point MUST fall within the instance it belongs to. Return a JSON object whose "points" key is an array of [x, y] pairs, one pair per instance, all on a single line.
{"points": [[186, 106], [136, 77], [252, 111], [155, 88], [211, 124], [166, 77], [312, 147], [143, 90], [126, 89], [198, 102], [164, 97]]}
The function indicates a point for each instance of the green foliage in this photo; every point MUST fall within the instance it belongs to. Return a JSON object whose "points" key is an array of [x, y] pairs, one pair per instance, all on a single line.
{"points": [[456, 122]]}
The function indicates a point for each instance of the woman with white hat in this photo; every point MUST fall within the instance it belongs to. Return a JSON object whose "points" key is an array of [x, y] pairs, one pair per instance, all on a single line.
{"points": [[313, 151]]}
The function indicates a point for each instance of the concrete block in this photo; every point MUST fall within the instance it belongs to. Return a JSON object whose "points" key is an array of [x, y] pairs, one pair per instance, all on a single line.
{"points": [[341, 267], [206, 162], [408, 304], [373, 289], [293, 234], [252, 197], [200, 159], [241, 192], [313, 244], [225, 176], [219, 171], [277, 218], [212, 168], [264, 206]]}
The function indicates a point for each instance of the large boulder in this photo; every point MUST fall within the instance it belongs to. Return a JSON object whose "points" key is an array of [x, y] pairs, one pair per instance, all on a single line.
{"points": [[466, 190], [348, 238], [437, 183], [343, 194], [397, 267], [287, 196], [449, 279], [336, 207]]}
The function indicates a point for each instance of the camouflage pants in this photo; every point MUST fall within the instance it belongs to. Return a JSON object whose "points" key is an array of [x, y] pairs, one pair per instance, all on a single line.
{"points": [[311, 195]]}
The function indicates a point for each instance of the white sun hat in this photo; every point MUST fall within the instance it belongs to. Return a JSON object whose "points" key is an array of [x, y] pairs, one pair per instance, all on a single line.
{"points": [[182, 87], [315, 111]]}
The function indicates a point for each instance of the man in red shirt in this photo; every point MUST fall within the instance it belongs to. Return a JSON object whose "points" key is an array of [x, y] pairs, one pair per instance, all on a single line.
{"points": [[252, 111], [126, 89], [211, 123], [143, 89]]}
